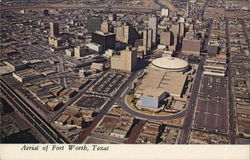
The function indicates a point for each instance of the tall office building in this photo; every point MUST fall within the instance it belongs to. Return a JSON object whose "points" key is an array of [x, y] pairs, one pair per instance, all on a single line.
{"points": [[148, 38], [106, 39], [153, 24], [129, 57], [78, 52], [175, 28], [212, 48], [126, 34], [112, 17], [127, 61], [191, 47], [54, 29], [181, 29], [105, 27], [166, 38], [94, 23]]}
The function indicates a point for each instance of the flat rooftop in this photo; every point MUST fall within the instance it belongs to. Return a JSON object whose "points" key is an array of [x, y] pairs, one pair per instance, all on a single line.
{"points": [[171, 82], [104, 33], [27, 73], [5, 70], [16, 62]]}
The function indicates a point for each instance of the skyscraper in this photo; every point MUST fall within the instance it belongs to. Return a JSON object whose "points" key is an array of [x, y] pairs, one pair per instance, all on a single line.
{"points": [[112, 17], [94, 23], [153, 22], [129, 58], [127, 61], [54, 29], [126, 34], [105, 27], [78, 52], [191, 47], [107, 40], [166, 38], [175, 30], [147, 38], [182, 29]]}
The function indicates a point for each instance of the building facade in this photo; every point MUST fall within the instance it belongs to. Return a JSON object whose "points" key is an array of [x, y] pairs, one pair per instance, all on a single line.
{"points": [[148, 38], [127, 60], [105, 27], [126, 34], [54, 29], [191, 47], [166, 38], [106, 40], [94, 23], [153, 24]]}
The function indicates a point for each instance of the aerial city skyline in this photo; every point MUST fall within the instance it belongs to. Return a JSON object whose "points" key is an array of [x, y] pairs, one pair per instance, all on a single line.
{"points": [[125, 72]]}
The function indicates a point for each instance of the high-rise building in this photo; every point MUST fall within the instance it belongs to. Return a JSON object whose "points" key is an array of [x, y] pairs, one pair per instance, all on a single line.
{"points": [[129, 57], [54, 29], [127, 61], [147, 39], [56, 42], [78, 52], [126, 34], [175, 28], [153, 24], [181, 29], [106, 39], [94, 23], [191, 47], [166, 38], [105, 27], [213, 48], [112, 17]]}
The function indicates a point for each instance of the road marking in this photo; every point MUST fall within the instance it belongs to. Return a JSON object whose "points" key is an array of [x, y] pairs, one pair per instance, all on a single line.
{"points": [[124, 92]]}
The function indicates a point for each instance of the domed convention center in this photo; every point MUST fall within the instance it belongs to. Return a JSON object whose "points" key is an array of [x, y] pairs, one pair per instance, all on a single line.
{"points": [[171, 64], [164, 87]]}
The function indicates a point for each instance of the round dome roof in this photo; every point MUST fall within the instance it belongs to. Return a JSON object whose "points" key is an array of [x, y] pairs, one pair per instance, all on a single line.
{"points": [[169, 63]]}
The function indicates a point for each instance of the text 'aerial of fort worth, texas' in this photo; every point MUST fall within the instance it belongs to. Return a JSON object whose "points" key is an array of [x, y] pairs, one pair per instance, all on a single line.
{"points": [[125, 71]]}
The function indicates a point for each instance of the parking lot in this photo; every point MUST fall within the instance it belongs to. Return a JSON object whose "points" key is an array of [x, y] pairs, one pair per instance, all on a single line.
{"points": [[212, 107], [213, 87], [91, 102], [212, 115], [109, 83]]}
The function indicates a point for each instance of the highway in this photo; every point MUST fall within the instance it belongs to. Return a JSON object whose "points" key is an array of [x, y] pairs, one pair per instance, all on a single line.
{"points": [[188, 122], [51, 134], [232, 117]]}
